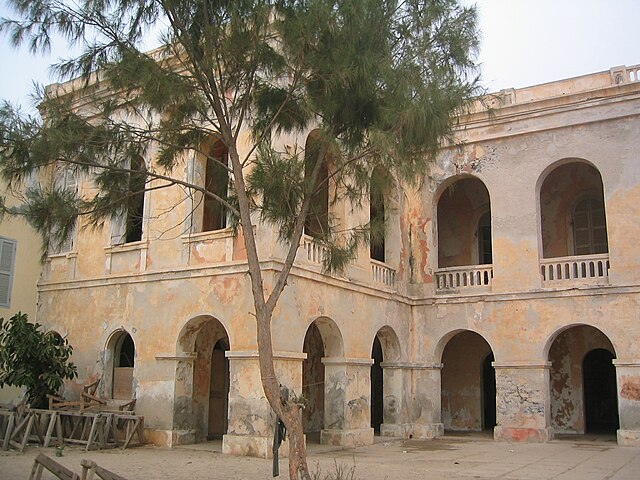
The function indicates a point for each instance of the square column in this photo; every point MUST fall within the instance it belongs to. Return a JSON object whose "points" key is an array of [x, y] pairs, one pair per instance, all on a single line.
{"points": [[523, 402], [628, 382], [394, 377], [424, 401], [347, 402], [251, 419]]}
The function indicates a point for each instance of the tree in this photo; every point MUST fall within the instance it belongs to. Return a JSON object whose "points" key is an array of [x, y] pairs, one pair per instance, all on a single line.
{"points": [[378, 81], [33, 359]]}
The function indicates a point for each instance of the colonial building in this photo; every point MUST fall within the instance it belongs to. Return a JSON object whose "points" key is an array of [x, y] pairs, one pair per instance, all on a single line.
{"points": [[505, 296]]}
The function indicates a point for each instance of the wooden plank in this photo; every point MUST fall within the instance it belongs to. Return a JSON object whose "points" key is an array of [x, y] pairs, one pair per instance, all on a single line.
{"points": [[89, 468], [60, 471], [52, 423], [131, 431], [7, 434], [92, 432]]}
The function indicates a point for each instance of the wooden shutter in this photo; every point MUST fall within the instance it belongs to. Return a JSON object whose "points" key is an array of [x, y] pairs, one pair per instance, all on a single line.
{"points": [[7, 260], [589, 228]]}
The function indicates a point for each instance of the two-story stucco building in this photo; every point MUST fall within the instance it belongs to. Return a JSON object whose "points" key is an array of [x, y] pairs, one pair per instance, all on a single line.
{"points": [[505, 296]]}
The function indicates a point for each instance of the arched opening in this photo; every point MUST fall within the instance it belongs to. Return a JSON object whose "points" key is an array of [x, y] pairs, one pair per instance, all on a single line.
{"points": [[202, 380], [583, 382], [324, 392], [468, 384], [123, 364], [216, 181], [464, 214], [317, 222], [600, 392], [386, 383], [572, 211], [377, 387], [378, 193]]}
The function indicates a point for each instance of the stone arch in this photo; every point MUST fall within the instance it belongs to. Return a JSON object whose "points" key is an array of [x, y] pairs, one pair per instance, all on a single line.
{"points": [[202, 380], [386, 382], [582, 380], [323, 340], [560, 187], [467, 388], [460, 203], [119, 364]]}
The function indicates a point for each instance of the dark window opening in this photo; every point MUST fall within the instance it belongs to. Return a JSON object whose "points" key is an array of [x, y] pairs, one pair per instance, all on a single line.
{"points": [[317, 222], [485, 253], [135, 204], [216, 182], [376, 220]]}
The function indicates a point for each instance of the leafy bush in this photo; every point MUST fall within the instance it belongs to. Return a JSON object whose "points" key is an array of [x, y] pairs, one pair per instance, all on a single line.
{"points": [[34, 359]]}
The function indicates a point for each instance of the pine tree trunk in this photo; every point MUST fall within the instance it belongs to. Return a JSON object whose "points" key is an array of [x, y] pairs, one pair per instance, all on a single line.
{"points": [[287, 408]]}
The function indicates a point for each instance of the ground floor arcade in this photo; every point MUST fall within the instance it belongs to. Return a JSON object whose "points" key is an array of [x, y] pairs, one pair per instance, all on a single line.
{"points": [[362, 363]]}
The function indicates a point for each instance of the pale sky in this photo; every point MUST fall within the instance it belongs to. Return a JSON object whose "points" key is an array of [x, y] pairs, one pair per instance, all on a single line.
{"points": [[524, 42]]}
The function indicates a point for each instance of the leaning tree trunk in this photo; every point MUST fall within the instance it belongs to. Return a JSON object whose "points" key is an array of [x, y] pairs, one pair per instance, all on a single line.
{"points": [[282, 400]]}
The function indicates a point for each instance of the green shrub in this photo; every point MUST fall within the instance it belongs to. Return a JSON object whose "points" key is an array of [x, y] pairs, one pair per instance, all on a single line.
{"points": [[31, 358]]}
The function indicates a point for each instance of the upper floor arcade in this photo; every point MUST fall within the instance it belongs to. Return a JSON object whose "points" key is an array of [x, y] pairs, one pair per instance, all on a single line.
{"points": [[540, 194]]}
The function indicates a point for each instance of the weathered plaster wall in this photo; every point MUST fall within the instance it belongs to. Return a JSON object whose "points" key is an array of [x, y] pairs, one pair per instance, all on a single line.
{"points": [[159, 290]]}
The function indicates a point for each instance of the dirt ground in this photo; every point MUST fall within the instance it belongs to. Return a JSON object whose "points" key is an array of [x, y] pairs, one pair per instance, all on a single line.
{"points": [[450, 457]]}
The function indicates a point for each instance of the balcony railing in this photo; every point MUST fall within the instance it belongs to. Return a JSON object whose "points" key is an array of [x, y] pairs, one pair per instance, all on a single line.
{"points": [[312, 250], [381, 273], [581, 269], [464, 278]]}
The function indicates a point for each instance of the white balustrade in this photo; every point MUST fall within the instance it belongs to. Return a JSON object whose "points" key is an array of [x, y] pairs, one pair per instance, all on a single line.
{"points": [[312, 250], [463, 278], [382, 273], [581, 268]]}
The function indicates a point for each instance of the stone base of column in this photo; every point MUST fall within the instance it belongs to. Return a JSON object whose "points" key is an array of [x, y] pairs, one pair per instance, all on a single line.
{"points": [[347, 438], [394, 430], [629, 438], [523, 434], [252, 446], [425, 430], [169, 438]]}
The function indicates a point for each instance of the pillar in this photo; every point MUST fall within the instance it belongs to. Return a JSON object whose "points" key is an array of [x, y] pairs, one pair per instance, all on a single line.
{"points": [[394, 376], [251, 419], [424, 401], [347, 402], [523, 402], [628, 381]]}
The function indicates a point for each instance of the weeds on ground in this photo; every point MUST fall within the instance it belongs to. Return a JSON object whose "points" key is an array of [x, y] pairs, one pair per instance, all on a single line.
{"points": [[340, 471]]}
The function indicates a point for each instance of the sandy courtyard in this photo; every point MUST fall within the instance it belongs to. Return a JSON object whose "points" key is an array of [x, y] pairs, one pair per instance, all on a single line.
{"points": [[445, 458]]}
